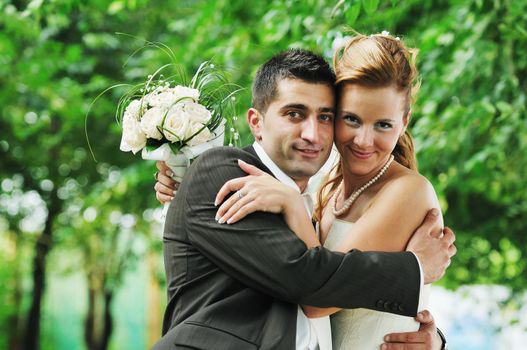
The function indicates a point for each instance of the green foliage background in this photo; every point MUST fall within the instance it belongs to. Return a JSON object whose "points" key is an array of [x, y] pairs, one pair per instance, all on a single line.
{"points": [[469, 122]]}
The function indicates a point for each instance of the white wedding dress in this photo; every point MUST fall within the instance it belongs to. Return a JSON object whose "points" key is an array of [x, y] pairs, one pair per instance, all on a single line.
{"points": [[362, 328]]}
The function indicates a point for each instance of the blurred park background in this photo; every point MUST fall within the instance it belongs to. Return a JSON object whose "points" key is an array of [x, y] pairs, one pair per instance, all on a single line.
{"points": [[80, 241]]}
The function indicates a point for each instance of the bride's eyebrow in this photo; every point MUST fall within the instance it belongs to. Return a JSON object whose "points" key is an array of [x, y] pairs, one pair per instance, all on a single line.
{"points": [[351, 114], [348, 113]]}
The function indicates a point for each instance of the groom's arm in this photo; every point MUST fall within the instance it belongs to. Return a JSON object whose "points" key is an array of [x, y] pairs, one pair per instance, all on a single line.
{"points": [[261, 252], [427, 337]]}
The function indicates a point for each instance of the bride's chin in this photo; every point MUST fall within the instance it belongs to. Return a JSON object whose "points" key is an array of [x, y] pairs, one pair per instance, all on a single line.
{"points": [[358, 169]]}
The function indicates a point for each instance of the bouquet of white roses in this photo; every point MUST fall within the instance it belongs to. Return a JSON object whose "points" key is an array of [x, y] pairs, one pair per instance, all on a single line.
{"points": [[175, 122], [174, 119]]}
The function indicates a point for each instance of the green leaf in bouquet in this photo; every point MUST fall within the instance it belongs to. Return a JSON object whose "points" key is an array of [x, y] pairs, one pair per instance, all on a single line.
{"points": [[152, 144], [175, 147], [88, 113]]}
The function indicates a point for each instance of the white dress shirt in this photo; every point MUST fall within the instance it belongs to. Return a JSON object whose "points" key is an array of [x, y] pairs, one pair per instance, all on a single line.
{"points": [[314, 333]]}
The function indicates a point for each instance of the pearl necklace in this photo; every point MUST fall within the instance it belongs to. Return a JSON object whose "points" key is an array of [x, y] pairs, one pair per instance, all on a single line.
{"points": [[348, 202]]}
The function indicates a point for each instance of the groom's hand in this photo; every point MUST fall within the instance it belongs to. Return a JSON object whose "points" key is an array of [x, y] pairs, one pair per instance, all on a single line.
{"points": [[426, 338], [165, 186], [433, 246]]}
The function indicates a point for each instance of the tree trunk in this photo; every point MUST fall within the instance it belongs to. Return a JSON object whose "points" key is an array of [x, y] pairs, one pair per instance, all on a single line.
{"points": [[89, 322], [108, 320], [13, 326], [43, 245], [98, 328]]}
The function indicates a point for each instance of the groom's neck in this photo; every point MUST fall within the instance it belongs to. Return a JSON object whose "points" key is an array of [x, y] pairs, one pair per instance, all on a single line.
{"points": [[301, 183]]}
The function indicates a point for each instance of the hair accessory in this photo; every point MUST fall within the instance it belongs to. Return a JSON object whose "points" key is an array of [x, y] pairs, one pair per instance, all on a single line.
{"points": [[385, 32]]}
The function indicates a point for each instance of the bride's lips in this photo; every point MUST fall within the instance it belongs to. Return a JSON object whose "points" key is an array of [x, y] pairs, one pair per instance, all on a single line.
{"points": [[361, 155]]}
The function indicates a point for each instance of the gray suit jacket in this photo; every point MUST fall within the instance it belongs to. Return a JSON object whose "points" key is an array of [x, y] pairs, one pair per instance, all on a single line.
{"points": [[237, 286]]}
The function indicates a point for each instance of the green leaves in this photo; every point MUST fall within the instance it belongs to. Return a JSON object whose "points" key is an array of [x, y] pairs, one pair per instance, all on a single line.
{"points": [[370, 6], [353, 13]]}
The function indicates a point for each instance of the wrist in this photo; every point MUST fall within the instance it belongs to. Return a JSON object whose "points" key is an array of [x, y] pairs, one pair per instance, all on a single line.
{"points": [[293, 203]]}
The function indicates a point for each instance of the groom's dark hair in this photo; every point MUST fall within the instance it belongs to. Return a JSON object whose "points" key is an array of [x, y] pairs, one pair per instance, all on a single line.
{"points": [[295, 64]]}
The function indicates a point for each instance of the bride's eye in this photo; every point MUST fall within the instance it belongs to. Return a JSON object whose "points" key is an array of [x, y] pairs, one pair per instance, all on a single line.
{"points": [[351, 119], [384, 125]]}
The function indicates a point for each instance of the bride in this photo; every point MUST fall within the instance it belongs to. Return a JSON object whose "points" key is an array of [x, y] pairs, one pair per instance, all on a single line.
{"points": [[374, 198]]}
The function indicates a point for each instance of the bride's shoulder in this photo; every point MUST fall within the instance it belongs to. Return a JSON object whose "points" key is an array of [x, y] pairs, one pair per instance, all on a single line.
{"points": [[409, 183]]}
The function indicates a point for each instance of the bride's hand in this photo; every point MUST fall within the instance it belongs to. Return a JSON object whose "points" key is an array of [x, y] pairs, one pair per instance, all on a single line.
{"points": [[165, 186], [256, 192]]}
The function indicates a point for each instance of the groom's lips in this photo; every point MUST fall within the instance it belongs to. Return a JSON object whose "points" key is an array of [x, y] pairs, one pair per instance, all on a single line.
{"points": [[308, 152]]}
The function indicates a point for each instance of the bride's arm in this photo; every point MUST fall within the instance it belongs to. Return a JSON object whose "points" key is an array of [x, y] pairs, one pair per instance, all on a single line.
{"points": [[395, 213], [261, 192], [388, 223]]}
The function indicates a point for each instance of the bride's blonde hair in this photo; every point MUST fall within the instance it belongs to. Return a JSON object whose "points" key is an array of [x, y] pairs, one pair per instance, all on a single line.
{"points": [[375, 61]]}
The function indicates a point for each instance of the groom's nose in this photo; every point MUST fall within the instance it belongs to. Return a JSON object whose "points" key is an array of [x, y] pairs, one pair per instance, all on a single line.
{"points": [[311, 130]]}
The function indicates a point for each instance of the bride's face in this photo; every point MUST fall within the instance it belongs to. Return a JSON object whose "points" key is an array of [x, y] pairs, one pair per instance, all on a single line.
{"points": [[369, 123]]}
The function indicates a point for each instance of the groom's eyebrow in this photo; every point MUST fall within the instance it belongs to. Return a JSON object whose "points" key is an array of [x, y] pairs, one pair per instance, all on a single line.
{"points": [[326, 110], [303, 107], [300, 106]]}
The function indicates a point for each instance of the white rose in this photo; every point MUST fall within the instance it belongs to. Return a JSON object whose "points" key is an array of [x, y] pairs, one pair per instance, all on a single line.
{"points": [[163, 100], [150, 122], [200, 138], [183, 91], [133, 110], [176, 124], [197, 113], [167, 97], [133, 138]]}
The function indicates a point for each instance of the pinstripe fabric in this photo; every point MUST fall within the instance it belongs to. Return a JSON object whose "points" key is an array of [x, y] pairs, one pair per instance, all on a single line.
{"points": [[237, 286]]}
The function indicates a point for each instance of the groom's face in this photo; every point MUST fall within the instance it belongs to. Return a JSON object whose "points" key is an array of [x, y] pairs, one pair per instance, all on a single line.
{"points": [[296, 130]]}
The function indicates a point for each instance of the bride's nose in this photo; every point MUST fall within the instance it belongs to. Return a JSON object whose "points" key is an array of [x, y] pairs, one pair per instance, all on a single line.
{"points": [[363, 137]]}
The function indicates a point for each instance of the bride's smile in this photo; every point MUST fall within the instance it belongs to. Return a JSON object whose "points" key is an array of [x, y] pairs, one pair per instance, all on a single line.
{"points": [[370, 121]]}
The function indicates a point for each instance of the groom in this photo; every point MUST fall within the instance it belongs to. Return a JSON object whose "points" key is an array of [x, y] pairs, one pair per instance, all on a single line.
{"points": [[238, 286]]}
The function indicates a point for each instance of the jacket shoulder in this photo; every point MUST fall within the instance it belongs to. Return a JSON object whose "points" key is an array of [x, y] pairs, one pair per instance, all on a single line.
{"points": [[221, 156]]}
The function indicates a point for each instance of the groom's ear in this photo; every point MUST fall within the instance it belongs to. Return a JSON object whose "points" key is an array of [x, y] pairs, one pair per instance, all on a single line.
{"points": [[255, 120]]}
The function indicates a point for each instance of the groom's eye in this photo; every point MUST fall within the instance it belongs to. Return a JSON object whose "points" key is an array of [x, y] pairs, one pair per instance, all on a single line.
{"points": [[294, 115], [326, 117]]}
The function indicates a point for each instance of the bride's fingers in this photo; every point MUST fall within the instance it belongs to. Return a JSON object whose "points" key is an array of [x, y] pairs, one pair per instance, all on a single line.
{"points": [[243, 211], [164, 190], [165, 179], [230, 186], [227, 205], [234, 206], [250, 169]]}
